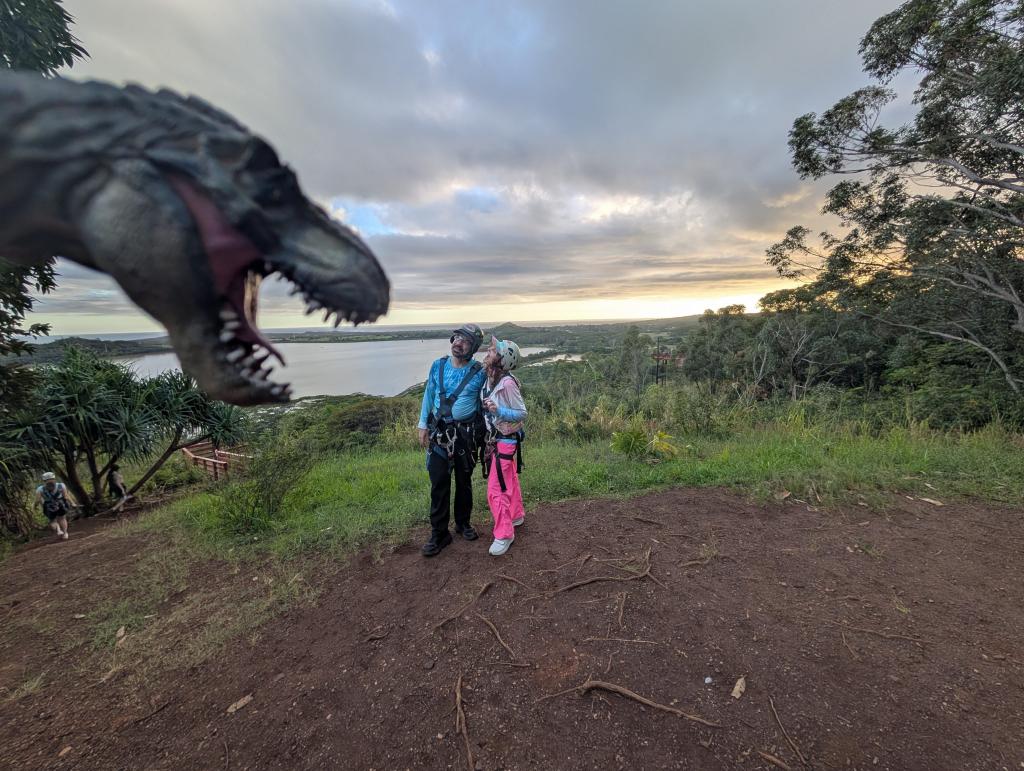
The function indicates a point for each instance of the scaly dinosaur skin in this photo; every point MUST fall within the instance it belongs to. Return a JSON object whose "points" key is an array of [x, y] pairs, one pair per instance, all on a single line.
{"points": [[185, 208]]}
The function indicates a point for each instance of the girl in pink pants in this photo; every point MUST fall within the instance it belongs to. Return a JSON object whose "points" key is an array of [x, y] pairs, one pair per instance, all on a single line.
{"points": [[504, 413]]}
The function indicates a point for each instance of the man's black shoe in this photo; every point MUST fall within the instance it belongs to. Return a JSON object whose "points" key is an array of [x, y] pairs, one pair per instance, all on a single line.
{"points": [[467, 532], [435, 544]]}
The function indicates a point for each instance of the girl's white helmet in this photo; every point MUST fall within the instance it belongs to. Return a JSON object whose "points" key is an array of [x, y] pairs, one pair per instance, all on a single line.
{"points": [[509, 353]]}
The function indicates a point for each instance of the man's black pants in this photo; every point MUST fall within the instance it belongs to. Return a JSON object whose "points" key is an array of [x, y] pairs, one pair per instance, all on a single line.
{"points": [[441, 473]]}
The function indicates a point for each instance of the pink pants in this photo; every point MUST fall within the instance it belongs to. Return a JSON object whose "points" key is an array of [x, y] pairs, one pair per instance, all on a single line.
{"points": [[508, 505]]}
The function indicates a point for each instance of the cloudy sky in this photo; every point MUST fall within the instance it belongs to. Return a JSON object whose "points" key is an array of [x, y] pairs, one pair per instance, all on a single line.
{"points": [[514, 160]]}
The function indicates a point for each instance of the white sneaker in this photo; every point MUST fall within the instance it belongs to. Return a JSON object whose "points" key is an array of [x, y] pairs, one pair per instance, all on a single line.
{"points": [[64, 535], [500, 546], [518, 522]]}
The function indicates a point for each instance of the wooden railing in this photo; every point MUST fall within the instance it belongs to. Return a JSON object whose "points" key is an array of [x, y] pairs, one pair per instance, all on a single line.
{"points": [[216, 463]]}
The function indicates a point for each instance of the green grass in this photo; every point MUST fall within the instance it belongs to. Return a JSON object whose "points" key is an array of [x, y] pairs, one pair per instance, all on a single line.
{"points": [[27, 688], [354, 498], [204, 579]]}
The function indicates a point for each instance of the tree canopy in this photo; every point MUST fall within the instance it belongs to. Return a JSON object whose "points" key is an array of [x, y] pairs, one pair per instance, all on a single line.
{"points": [[934, 208], [36, 35]]}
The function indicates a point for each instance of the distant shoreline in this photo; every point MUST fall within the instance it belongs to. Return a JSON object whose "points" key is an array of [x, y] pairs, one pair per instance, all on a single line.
{"points": [[567, 337], [375, 329]]}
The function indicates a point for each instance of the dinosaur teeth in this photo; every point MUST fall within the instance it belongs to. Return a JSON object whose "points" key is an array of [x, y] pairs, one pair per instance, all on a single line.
{"points": [[233, 324], [226, 336], [228, 314], [235, 354]]}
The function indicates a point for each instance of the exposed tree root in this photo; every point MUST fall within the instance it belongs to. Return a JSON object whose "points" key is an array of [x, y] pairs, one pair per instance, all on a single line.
{"points": [[635, 576], [463, 609], [514, 580], [460, 722], [565, 564], [377, 635], [601, 685], [782, 728], [498, 636]]}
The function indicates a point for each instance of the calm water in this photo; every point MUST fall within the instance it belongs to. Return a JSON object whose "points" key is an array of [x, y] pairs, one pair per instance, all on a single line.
{"points": [[381, 369]]}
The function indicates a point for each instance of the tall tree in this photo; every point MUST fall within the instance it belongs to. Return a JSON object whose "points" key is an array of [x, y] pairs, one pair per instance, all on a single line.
{"points": [[936, 206], [36, 35], [90, 414]]}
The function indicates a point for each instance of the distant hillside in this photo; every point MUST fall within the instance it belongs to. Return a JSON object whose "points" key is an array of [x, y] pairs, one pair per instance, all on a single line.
{"points": [[109, 349], [572, 338]]}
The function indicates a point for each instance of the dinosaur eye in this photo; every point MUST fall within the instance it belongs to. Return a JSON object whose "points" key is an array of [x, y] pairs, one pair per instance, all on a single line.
{"points": [[277, 187]]}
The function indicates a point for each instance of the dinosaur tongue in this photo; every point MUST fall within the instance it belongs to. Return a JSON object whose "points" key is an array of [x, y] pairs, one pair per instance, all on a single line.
{"points": [[230, 254]]}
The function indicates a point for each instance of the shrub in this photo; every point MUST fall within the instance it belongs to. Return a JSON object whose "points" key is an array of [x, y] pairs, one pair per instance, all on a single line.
{"points": [[640, 441], [251, 506]]}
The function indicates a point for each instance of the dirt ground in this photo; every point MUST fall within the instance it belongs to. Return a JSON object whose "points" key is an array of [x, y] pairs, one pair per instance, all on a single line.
{"points": [[865, 640]]}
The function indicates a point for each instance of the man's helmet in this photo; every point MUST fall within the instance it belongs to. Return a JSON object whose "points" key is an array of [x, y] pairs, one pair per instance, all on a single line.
{"points": [[471, 332], [509, 353]]}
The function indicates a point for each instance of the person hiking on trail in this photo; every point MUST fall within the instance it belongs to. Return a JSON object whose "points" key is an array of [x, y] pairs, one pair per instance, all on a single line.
{"points": [[115, 483], [450, 428], [504, 413], [56, 502]]}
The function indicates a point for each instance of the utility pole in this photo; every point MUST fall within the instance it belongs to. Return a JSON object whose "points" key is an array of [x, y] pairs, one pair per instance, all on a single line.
{"points": [[657, 360]]}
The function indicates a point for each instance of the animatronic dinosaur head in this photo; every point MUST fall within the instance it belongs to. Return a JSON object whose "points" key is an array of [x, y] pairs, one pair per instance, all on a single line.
{"points": [[186, 209]]}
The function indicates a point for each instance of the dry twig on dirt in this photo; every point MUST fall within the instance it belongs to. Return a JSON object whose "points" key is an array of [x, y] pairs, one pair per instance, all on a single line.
{"points": [[514, 580], [645, 563], [622, 608], [613, 688], [148, 715], [601, 685], [377, 635], [508, 664], [498, 636], [886, 635], [460, 723], [620, 639], [774, 761], [783, 729], [565, 564], [461, 610], [851, 650], [649, 521]]}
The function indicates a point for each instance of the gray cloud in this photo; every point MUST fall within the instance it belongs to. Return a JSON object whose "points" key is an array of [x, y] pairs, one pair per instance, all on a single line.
{"points": [[590, 149]]}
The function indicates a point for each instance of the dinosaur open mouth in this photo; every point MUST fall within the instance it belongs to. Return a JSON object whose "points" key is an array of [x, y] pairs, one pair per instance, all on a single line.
{"points": [[238, 268]]}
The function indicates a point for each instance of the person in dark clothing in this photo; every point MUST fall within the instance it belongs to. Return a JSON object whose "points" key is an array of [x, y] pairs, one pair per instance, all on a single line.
{"points": [[448, 429]]}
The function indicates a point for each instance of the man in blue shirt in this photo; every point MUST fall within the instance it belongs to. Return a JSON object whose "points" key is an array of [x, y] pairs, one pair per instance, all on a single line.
{"points": [[447, 429]]}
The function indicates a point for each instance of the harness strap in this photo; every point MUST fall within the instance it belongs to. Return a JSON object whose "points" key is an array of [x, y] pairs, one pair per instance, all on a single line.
{"points": [[497, 466], [446, 402]]}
